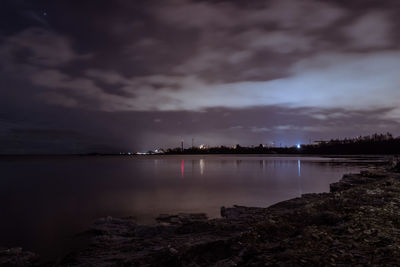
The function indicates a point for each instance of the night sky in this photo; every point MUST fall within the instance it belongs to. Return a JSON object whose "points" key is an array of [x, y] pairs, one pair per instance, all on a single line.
{"points": [[110, 76]]}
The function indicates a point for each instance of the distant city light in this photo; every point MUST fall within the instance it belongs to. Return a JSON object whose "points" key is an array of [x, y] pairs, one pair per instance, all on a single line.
{"points": [[298, 146]]}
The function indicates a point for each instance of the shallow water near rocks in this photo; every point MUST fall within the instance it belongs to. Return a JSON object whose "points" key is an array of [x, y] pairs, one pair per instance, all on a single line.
{"points": [[46, 200]]}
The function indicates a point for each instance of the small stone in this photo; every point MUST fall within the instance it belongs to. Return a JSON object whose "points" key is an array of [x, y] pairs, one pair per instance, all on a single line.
{"points": [[173, 251]]}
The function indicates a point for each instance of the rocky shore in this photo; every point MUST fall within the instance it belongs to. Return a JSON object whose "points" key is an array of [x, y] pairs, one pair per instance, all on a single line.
{"points": [[358, 222]]}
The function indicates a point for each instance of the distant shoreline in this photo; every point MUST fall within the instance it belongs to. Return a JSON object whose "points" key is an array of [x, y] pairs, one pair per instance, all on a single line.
{"points": [[202, 154]]}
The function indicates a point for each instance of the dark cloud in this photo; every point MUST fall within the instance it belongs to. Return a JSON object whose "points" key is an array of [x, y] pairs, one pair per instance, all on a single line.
{"points": [[143, 74]]}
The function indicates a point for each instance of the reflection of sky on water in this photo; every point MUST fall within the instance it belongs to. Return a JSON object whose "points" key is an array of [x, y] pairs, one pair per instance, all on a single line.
{"points": [[285, 175], [43, 199], [266, 166], [268, 179]]}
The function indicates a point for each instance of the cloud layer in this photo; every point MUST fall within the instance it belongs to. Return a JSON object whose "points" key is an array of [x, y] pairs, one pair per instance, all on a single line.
{"points": [[328, 60]]}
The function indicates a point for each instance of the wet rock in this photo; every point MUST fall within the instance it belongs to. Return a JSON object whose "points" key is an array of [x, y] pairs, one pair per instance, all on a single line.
{"points": [[17, 257], [181, 218], [395, 165], [242, 213], [350, 180], [113, 226], [324, 218]]}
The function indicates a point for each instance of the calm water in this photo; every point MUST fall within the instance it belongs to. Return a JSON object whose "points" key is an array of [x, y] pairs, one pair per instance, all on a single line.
{"points": [[44, 201]]}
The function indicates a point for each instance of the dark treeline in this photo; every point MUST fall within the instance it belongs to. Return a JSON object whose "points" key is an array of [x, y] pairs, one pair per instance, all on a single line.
{"points": [[371, 144]]}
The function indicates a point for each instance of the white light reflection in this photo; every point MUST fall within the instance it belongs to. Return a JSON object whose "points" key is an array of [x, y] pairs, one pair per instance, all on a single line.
{"points": [[299, 179], [299, 167], [202, 164]]}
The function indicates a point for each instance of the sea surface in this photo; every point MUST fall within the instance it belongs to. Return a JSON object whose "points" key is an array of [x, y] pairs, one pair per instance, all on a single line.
{"points": [[45, 201]]}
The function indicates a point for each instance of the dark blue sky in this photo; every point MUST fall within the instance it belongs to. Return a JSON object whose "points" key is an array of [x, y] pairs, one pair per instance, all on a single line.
{"points": [[80, 76]]}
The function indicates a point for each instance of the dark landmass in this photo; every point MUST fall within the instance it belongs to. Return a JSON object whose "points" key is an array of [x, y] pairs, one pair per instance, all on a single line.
{"points": [[358, 222], [376, 144]]}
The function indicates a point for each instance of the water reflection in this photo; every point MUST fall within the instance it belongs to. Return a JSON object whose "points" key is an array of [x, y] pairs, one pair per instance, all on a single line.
{"points": [[201, 163], [274, 169], [237, 163], [299, 167], [182, 168], [299, 177], [64, 196]]}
